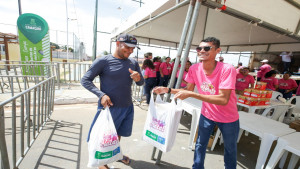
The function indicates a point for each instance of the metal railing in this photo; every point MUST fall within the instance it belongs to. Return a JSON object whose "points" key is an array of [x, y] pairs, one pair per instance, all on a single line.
{"points": [[65, 72], [137, 92], [33, 108]]}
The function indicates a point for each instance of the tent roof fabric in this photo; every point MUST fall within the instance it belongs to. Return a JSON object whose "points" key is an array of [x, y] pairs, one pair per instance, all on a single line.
{"points": [[261, 26]]}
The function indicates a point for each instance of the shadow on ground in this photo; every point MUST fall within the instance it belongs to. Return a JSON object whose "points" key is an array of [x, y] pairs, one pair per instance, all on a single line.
{"points": [[65, 139]]}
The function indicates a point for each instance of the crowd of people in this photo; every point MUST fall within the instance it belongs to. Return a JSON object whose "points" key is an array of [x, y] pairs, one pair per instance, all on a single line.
{"points": [[158, 73], [285, 85]]}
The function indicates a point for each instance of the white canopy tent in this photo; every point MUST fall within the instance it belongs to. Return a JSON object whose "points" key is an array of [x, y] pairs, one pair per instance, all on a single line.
{"points": [[260, 26], [245, 25]]}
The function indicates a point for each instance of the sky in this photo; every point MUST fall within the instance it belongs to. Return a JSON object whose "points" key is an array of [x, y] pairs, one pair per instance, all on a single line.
{"points": [[111, 13]]}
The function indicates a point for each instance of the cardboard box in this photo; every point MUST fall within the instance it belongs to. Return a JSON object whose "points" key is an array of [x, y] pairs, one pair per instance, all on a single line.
{"points": [[295, 125]]}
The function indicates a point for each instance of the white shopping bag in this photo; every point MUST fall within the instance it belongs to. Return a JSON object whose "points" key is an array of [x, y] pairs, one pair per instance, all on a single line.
{"points": [[103, 146], [162, 123]]}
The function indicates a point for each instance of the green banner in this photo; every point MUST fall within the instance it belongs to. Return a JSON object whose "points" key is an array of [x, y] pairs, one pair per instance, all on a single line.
{"points": [[34, 43]]}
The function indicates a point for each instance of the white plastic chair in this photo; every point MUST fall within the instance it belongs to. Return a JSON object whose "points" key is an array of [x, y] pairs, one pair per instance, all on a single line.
{"points": [[278, 114], [295, 109], [285, 144], [275, 94]]}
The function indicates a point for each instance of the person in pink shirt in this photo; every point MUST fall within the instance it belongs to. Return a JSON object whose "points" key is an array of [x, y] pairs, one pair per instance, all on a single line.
{"points": [[150, 78], [186, 70], [243, 80], [286, 86], [263, 69], [148, 55], [298, 91], [156, 63], [165, 70], [239, 66], [272, 82], [215, 82]]}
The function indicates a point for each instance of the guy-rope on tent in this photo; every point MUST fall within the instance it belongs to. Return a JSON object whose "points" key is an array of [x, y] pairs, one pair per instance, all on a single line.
{"points": [[241, 25]]}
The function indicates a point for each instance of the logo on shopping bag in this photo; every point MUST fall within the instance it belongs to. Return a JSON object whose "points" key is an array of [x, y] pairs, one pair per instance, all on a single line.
{"points": [[105, 155], [158, 124], [155, 137], [109, 139]]}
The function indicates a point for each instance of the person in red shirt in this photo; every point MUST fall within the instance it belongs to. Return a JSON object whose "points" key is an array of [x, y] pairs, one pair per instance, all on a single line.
{"points": [[186, 70], [243, 80], [286, 85], [150, 78], [156, 63], [272, 82], [165, 70], [265, 67]]}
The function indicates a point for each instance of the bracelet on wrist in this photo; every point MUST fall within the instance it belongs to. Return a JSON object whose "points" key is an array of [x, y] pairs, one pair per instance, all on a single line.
{"points": [[169, 90]]}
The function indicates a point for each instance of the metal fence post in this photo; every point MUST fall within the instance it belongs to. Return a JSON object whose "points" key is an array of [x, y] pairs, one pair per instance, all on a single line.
{"points": [[3, 149]]}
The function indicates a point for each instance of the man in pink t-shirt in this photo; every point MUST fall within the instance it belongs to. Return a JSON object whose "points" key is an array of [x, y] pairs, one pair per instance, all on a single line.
{"points": [[215, 82], [286, 86], [263, 69]]}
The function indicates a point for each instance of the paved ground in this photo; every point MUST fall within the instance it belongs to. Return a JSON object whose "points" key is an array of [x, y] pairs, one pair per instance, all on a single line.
{"points": [[62, 143]]}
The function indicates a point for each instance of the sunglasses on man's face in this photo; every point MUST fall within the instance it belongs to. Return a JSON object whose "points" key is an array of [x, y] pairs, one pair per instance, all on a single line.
{"points": [[206, 48]]}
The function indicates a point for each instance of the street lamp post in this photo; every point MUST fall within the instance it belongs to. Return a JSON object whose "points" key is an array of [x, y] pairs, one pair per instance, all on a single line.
{"points": [[67, 31]]}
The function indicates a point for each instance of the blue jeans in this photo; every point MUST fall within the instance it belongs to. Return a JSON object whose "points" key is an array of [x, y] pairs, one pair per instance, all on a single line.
{"points": [[230, 132], [150, 83], [164, 81], [284, 94]]}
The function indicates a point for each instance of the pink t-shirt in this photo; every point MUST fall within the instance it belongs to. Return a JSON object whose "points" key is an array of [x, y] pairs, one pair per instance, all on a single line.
{"points": [[150, 72], [166, 68], [183, 85], [271, 82], [263, 70], [287, 84], [242, 82], [223, 77], [298, 91], [156, 64]]}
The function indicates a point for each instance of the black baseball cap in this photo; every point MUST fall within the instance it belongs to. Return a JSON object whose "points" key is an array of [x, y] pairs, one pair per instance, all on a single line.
{"points": [[128, 39]]}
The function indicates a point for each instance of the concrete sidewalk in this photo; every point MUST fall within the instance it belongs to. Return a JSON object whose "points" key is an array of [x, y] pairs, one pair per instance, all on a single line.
{"points": [[62, 143]]}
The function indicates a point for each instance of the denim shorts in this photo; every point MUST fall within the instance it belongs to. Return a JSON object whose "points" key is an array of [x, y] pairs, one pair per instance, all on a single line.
{"points": [[122, 117]]}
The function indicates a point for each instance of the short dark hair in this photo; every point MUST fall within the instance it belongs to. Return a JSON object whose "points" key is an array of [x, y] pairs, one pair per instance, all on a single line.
{"points": [[148, 63], [270, 73], [146, 55], [215, 41], [288, 72]]}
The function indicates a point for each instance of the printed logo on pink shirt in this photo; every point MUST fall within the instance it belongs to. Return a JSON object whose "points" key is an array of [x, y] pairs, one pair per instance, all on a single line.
{"points": [[109, 139], [283, 84], [241, 80], [208, 87]]}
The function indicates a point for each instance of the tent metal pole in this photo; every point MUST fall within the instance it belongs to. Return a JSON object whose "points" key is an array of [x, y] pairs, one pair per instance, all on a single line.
{"points": [[181, 44], [178, 56], [189, 41]]}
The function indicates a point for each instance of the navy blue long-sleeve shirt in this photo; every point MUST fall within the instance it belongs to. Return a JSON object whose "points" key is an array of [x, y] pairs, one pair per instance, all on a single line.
{"points": [[115, 80]]}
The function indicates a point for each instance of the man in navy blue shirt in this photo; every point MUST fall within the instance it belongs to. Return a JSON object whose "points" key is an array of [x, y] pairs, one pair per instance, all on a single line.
{"points": [[116, 74]]}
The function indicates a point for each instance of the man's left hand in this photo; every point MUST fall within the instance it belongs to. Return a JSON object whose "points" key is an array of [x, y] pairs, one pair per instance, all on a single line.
{"points": [[134, 75]]}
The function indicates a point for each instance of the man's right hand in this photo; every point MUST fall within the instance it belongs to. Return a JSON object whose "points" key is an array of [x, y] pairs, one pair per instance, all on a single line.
{"points": [[105, 101], [160, 90]]}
